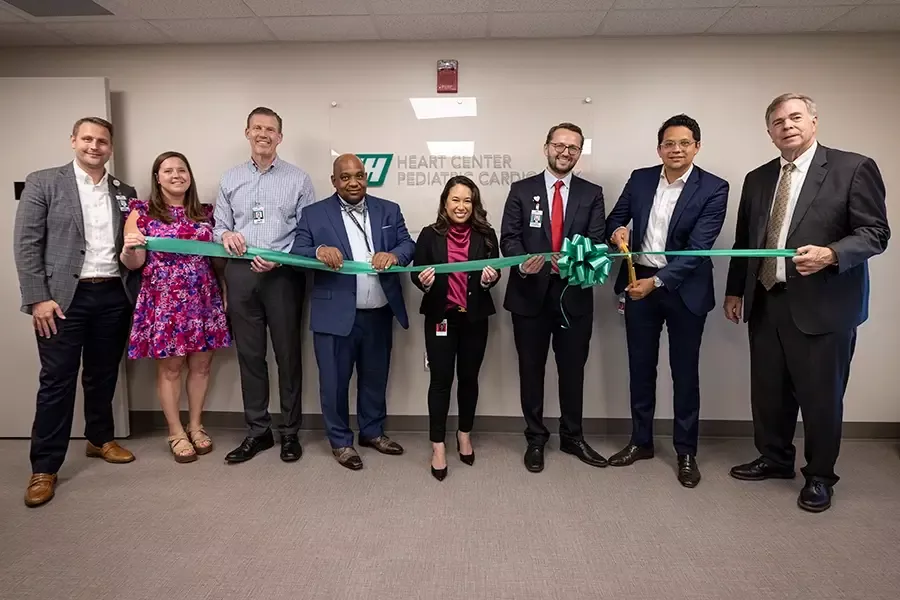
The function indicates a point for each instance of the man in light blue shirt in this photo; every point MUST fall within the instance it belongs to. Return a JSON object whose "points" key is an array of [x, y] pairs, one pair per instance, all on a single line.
{"points": [[259, 205]]}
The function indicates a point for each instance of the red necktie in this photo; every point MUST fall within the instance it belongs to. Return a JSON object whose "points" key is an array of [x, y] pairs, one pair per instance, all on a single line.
{"points": [[556, 218]]}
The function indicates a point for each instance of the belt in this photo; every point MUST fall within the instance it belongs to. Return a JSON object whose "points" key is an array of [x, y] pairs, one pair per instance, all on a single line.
{"points": [[97, 279]]}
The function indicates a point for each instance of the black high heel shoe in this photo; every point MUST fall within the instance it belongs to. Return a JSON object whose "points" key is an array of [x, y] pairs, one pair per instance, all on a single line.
{"points": [[469, 459], [439, 474]]}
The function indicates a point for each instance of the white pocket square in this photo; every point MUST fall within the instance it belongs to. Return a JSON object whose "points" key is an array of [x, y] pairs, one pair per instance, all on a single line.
{"points": [[387, 226]]}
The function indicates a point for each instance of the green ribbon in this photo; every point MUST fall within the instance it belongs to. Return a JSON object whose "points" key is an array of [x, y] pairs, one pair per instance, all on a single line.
{"points": [[581, 263]]}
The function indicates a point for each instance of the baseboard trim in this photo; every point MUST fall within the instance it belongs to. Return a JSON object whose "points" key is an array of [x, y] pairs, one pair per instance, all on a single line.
{"points": [[148, 421]]}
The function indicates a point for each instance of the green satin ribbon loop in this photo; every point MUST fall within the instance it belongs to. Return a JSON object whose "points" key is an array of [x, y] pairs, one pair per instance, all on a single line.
{"points": [[584, 263]]}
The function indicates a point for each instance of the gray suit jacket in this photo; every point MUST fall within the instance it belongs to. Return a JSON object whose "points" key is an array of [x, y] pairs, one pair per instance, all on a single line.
{"points": [[841, 206], [49, 240]]}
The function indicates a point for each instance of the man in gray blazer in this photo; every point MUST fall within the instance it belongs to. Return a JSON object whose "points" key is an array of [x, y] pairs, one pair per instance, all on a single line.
{"points": [[68, 236], [803, 312]]}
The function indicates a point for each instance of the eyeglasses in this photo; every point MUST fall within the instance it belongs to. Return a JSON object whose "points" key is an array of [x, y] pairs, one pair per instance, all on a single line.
{"points": [[683, 144], [560, 148]]}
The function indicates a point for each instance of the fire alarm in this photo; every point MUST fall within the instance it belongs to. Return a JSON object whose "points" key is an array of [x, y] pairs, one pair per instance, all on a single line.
{"points": [[447, 76]]}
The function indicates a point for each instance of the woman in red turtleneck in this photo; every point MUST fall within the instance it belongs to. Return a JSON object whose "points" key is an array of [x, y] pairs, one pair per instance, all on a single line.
{"points": [[456, 309]]}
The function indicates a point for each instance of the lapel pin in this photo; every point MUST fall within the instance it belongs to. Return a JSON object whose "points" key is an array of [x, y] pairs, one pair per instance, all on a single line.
{"points": [[116, 182]]}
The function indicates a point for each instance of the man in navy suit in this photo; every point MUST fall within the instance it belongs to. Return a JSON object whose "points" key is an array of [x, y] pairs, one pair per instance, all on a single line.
{"points": [[539, 213], [677, 206], [351, 316]]}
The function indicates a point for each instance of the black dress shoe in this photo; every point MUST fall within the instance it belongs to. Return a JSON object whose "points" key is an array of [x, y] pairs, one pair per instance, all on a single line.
{"points": [[759, 470], [815, 496], [584, 453], [629, 455], [688, 471], [291, 450], [534, 458], [250, 447]]}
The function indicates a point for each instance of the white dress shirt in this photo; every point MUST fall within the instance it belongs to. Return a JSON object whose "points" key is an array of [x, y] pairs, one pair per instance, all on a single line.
{"points": [[801, 168], [550, 181], [664, 202], [99, 233], [369, 293]]}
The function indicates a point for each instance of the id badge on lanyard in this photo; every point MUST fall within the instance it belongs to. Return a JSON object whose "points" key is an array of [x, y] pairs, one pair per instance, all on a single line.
{"points": [[259, 215], [362, 230]]}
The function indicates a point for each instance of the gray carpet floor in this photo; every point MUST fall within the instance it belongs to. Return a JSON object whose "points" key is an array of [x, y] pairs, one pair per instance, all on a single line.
{"points": [[312, 529]]}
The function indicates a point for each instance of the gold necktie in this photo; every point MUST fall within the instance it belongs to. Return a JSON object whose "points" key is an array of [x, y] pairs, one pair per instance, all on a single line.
{"points": [[767, 272]]}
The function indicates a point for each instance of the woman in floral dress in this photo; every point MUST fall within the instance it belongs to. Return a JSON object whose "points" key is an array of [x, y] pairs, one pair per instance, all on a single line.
{"points": [[179, 317]]}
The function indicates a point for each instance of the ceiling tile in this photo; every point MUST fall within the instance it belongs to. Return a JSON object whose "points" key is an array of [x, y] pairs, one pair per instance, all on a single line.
{"points": [[430, 27], [672, 4], [545, 25], [429, 7], [59, 8], [8, 17], [777, 20], [322, 29], [799, 3], [660, 22], [178, 9], [306, 8], [215, 31], [557, 6], [29, 34], [109, 32], [868, 18]]}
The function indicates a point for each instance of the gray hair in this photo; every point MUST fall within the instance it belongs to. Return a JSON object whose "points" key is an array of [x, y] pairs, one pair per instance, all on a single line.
{"points": [[809, 102]]}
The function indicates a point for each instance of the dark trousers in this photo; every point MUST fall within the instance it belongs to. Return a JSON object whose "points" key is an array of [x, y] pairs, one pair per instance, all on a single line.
{"points": [[368, 347], [96, 328], [463, 345], [643, 325], [791, 371], [257, 301], [533, 336]]}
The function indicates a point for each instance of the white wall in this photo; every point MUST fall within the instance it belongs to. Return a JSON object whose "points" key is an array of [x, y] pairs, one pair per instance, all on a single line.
{"points": [[194, 99]]}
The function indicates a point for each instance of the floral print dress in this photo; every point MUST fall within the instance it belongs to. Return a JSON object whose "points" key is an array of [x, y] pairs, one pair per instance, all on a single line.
{"points": [[179, 309]]}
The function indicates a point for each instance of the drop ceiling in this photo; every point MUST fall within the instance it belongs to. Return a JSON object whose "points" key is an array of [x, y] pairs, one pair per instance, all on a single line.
{"points": [[115, 22]]}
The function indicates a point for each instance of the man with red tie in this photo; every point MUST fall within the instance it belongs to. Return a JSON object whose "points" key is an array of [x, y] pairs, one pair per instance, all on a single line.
{"points": [[540, 212]]}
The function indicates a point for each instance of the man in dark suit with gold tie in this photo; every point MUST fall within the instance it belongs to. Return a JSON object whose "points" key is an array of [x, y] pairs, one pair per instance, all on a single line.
{"points": [[540, 212], [803, 312]]}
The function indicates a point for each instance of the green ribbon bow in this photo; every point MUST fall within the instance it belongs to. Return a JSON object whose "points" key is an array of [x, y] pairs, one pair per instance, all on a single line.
{"points": [[584, 263]]}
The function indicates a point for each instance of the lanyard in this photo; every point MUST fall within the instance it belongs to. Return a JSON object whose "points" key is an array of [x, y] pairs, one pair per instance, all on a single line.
{"points": [[360, 227]]}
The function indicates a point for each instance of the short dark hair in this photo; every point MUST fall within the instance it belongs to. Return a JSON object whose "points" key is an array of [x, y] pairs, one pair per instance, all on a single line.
{"points": [[262, 110], [94, 121], [681, 120], [569, 126]]}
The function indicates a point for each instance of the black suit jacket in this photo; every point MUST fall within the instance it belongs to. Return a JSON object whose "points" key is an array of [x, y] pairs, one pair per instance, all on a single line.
{"points": [[585, 214], [431, 249], [841, 206]]}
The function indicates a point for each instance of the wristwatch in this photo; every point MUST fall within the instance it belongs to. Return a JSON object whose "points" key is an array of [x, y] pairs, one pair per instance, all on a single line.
{"points": [[657, 282]]}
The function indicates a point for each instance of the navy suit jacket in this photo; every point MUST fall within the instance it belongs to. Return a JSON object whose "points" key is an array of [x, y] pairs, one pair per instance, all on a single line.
{"points": [[333, 298], [695, 224]]}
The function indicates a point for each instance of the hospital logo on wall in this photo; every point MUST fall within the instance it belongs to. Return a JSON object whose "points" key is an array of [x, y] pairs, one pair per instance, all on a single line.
{"points": [[377, 166]]}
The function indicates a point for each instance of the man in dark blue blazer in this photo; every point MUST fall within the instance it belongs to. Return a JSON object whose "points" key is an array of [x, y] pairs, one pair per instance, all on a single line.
{"points": [[676, 206], [351, 316]]}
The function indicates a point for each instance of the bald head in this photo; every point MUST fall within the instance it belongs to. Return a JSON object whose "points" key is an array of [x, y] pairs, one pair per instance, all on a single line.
{"points": [[349, 178]]}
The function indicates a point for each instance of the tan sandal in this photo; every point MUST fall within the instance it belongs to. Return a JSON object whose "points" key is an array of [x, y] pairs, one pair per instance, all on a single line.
{"points": [[201, 441], [181, 448]]}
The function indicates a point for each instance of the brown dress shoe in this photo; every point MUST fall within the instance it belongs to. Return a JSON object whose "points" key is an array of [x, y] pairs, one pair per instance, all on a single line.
{"points": [[41, 488], [111, 452], [348, 457], [383, 444]]}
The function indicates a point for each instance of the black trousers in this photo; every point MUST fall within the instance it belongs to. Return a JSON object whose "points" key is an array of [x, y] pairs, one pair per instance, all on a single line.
{"points": [[95, 328], [257, 302], [533, 336], [463, 348], [791, 371], [644, 320]]}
